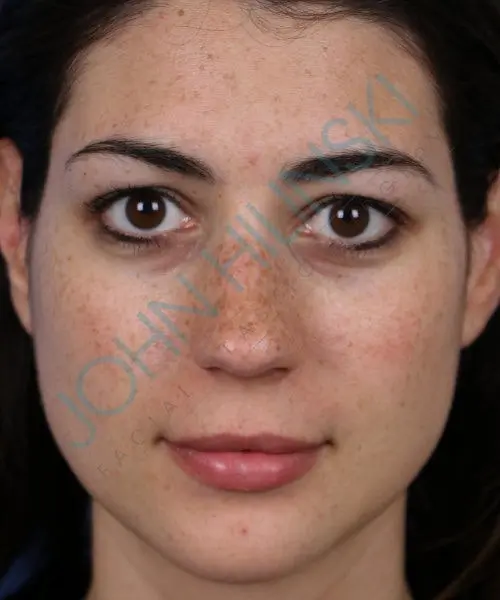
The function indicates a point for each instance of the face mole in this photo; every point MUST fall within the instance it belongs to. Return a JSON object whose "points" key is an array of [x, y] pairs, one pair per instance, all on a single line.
{"points": [[252, 159]]}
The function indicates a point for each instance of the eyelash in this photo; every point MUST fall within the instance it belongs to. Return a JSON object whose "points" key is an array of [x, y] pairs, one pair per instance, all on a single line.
{"points": [[99, 205], [391, 211]]}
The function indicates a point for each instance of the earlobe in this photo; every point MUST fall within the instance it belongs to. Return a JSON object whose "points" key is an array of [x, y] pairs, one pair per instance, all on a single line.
{"points": [[14, 230], [483, 286]]}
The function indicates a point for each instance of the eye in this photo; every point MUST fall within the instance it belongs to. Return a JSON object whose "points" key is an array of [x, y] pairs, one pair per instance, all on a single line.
{"points": [[141, 212], [355, 221]]}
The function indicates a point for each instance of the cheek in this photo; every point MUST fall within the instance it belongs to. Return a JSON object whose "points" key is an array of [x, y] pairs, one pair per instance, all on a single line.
{"points": [[392, 353], [95, 398], [389, 363], [79, 314], [80, 371]]}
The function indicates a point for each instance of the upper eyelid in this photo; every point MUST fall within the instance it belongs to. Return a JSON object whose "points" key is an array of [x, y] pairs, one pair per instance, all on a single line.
{"points": [[388, 209], [108, 199]]}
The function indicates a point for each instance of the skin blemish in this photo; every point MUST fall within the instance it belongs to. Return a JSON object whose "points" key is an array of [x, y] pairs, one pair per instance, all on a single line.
{"points": [[252, 159]]}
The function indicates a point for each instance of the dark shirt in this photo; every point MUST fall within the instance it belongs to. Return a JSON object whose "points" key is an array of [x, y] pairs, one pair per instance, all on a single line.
{"points": [[46, 571]]}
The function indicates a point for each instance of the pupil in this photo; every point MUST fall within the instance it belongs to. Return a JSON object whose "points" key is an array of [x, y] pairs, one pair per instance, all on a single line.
{"points": [[350, 220], [145, 211]]}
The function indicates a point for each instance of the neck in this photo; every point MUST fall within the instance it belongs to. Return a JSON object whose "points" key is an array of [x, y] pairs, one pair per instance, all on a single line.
{"points": [[368, 563]]}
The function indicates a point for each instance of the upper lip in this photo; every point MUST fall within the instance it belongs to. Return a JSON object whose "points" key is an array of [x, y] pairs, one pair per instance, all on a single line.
{"points": [[266, 443]]}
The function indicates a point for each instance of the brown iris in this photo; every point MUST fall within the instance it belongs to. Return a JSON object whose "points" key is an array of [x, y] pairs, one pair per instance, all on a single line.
{"points": [[145, 209], [350, 219]]}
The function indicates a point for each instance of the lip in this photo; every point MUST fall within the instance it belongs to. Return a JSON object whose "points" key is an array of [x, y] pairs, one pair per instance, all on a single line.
{"points": [[266, 443], [245, 463]]}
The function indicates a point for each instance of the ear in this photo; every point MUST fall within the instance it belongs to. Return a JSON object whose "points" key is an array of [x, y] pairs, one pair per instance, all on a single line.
{"points": [[483, 286], [14, 230]]}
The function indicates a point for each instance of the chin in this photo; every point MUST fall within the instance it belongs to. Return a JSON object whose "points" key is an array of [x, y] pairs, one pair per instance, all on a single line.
{"points": [[236, 565], [224, 550]]}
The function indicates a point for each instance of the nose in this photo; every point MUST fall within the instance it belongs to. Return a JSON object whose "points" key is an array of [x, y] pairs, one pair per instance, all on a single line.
{"points": [[252, 333], [243, 348]]}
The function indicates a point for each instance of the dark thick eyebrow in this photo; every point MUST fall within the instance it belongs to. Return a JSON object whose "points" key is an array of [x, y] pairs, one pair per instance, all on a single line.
{"points": [[342, 163], [161, 157], [327, 166]]}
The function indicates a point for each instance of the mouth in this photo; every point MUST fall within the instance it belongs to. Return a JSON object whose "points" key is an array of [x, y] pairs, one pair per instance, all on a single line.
{"points": [[251, 463]]}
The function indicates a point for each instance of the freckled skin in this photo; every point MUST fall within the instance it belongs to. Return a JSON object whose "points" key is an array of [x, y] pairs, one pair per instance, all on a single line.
{"points": [[362, 352]]}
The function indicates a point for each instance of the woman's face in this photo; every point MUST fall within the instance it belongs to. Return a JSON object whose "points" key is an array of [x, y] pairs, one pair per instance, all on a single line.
{"points": [[218, 325]]}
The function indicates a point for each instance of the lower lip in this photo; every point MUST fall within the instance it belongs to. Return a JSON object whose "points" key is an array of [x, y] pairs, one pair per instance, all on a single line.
{"points": [[244, 471]]}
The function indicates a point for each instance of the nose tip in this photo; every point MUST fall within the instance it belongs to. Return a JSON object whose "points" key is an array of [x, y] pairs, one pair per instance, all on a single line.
{"points": [[247, 356]]}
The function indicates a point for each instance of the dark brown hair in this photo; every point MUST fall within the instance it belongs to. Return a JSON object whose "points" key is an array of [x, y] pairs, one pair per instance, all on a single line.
{"points": [[453, 541]]}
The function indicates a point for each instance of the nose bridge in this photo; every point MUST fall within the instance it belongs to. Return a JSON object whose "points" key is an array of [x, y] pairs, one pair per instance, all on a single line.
{"points": [[248, 333]]}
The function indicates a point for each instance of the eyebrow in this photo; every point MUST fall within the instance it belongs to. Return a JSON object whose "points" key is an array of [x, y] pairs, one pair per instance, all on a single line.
{"points": [[166, 158], [327, 166], [343, 163]]}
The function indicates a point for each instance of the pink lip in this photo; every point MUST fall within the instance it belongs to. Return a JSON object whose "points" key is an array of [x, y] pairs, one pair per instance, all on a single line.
{"points": [[256, 463]]}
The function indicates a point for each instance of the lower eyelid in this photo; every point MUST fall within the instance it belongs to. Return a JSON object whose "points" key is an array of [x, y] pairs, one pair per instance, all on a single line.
{"points": [[118, 236], [368, 249]]}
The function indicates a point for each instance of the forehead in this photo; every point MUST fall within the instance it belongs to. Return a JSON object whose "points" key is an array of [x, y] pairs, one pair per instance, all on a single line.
{"points": [[211, 77]]}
